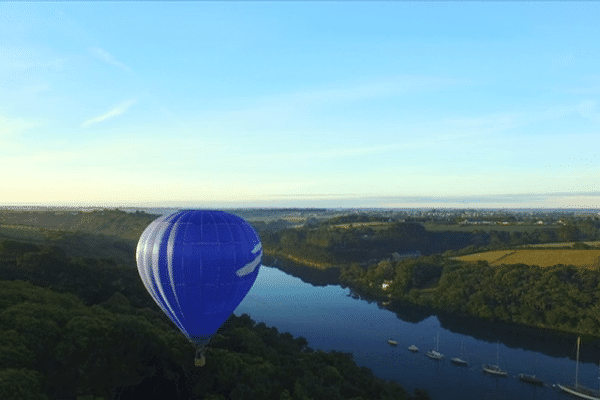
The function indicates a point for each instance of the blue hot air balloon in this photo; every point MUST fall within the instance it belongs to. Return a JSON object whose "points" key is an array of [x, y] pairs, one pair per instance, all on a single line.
{"points": [[198, 265]]}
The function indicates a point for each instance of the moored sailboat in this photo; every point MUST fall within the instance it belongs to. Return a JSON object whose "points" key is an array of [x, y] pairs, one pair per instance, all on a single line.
{"points": [[531, 379], [578, 390], [495, 369], [435, 354], [459, 360]]}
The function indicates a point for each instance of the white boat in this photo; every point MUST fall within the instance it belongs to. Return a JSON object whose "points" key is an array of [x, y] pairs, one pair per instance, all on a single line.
{"points": [[435, 354], [458, 360], [392, 342], [412, 347], [495, 369], [531, 379], [578, 390]]}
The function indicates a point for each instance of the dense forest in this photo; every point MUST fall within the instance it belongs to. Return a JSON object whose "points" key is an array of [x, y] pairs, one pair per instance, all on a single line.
{"points": [[84, 328], [110, 222], [332, 245], [97, 234], [559, 297]]}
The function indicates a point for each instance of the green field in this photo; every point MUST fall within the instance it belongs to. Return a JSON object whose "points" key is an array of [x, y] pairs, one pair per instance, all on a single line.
{"points": [[20, 232], [487, 228], [79, 244], [562, 244], [541, 258]]}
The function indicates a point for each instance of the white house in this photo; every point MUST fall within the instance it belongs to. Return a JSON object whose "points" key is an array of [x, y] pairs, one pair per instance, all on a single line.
{"points": [[386, 284]]}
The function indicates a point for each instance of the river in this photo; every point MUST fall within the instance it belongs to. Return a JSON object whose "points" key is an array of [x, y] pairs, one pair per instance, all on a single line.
{"points": [[331, 317]]}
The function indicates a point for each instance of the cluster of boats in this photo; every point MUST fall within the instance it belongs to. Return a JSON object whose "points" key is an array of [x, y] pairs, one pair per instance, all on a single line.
{"points": [[494, 369], [433, 354]]}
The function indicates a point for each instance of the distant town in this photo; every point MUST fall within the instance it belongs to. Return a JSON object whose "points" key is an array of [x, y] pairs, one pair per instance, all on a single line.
{"points": [[439, 216]]}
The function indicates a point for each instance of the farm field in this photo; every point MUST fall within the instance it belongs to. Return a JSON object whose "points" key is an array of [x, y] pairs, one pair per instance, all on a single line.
{"points": [[563, 244], [21, 232], [375, 225], [542, 258], [487, 228], [490, 256]]}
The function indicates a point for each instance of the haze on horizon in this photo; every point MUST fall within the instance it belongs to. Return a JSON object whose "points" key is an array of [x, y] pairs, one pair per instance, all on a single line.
{"points": [[291, 104]]}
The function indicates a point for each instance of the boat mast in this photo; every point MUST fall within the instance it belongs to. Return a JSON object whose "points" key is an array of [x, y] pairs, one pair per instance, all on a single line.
{"points": [[577, 365], [498, 355]]}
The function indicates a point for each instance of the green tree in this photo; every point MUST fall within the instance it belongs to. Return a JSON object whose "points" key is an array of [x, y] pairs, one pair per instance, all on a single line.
{"points": [[581, 246], [568, 233], [21, 384], [351, 273], [15, 351]]}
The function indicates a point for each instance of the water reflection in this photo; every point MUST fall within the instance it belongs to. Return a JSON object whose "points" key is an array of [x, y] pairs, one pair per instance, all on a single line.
{"points": [[552, 343], [331, 319], [312, 276]]}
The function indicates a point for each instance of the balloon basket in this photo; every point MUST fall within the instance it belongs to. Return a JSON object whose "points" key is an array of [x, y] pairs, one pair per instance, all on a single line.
{"points": [[199, 360]]}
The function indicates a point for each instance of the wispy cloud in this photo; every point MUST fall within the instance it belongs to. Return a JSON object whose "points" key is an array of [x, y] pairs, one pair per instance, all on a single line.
{"points": [[279, 111], [116, 111], [10, 130], [12, 126], [365, 90], [490, 123], [36, 89], [500, 122], [105, 56], [587, 109], [17, 58]]}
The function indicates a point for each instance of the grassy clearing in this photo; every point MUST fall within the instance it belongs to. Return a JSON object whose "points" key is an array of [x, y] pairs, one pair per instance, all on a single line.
{"points": [[542, 258], [547, 258], [490, 256], [21, 232], [487, 228], [378, 226], [563, 244], [375, 225]]}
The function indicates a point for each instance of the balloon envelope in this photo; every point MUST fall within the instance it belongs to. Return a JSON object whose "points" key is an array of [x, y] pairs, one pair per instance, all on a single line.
{"points": [[198, 265]]}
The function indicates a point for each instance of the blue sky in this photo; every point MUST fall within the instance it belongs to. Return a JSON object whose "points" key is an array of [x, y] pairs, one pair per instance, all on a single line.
{"points": [[283, 104]]}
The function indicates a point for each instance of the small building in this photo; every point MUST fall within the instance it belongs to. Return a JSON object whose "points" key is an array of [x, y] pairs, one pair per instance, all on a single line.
{"points": [[386, 284]]}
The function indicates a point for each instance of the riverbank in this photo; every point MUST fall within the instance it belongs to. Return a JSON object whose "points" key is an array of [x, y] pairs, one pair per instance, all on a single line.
{"points": [[558, 298], [299, 260]]}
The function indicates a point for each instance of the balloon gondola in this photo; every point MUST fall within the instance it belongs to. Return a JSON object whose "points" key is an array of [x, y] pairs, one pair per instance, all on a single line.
{"points": [[198, 265]]}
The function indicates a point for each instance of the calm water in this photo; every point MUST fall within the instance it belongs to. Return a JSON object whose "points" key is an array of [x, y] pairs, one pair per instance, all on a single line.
{"points": [[332, 318]]}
